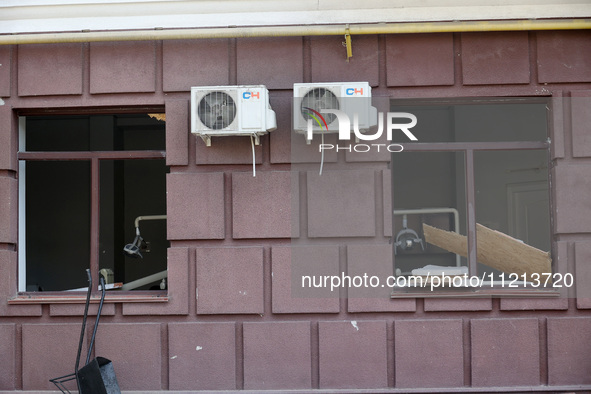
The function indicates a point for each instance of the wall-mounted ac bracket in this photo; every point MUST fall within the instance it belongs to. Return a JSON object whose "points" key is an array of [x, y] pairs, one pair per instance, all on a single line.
{"points": [[207, 139]]}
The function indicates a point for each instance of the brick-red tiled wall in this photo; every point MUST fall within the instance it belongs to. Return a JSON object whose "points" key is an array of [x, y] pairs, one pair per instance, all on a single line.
{"points": [[234, 319]]}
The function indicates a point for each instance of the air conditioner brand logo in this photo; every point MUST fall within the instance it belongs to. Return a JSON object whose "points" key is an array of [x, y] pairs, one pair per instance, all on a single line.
{"points": [[251, 95], [354, 91]]}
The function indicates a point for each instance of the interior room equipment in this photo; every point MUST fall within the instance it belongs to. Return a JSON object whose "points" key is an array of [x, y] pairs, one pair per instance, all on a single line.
{"points": [[407, 238], [134, 249]]}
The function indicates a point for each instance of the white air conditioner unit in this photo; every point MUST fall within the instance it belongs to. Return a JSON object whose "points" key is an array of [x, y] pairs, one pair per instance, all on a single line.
{"points": [[231, 110], [349, 97]]}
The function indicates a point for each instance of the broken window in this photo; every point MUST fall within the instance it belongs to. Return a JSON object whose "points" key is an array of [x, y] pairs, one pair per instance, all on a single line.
{"points": [[471, 197], [83, 183]]}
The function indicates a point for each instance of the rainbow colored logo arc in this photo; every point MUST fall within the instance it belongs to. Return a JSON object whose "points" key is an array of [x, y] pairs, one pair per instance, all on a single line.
{"points": [[317, 116]]}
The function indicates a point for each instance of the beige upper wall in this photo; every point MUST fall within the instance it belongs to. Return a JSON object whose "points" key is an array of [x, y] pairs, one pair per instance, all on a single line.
{"points": [[27, 16]]}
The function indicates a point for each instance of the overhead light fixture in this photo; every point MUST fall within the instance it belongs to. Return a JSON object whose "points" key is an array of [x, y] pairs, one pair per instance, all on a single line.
{"points": [[134, 249], [407, 238]]}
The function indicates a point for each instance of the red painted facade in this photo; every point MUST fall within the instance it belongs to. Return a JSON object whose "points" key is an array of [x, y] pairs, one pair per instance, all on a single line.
{"points": [[208, 336]]}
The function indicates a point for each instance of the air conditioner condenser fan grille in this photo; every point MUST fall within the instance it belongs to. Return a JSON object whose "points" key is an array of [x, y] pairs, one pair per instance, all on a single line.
{"points": [[216, 110], [318, 99]]}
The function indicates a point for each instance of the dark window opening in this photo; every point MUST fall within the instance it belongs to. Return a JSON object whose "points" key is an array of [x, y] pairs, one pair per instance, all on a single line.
{"points": [[475, 164], [83, 182]]}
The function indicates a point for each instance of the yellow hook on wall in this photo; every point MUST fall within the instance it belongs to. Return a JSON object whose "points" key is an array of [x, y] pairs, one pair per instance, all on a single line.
{"points": [[347, 43]]}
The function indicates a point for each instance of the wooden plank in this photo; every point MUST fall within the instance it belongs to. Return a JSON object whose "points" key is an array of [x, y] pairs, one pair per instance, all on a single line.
{"points": [[495, 249]]}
